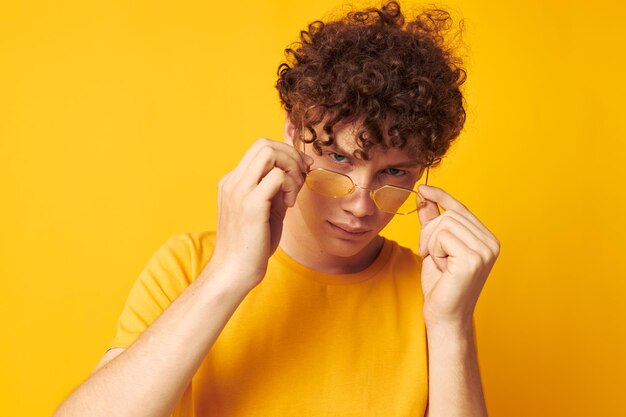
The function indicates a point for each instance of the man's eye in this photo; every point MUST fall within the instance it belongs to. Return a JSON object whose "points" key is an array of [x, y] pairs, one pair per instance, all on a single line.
{"points": [[394, 172], [337, 156]]}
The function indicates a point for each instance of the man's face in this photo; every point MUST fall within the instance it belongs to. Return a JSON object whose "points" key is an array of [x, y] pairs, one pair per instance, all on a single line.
{"points": [[347, 226]]}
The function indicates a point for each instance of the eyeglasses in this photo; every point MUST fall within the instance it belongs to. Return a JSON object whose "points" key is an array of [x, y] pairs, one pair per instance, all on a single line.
{"points": [[388, 198]]}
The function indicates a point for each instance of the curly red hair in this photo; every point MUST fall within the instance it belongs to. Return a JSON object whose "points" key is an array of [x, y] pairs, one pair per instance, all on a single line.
{"points": [[399, 80]]}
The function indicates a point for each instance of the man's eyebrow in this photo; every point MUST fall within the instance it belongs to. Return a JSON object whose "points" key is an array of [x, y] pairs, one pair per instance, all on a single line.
{"points": [[411, 163], [407, 164]]}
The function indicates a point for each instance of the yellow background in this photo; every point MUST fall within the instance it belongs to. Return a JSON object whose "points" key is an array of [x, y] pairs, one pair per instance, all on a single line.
{"points": [[118, 118]]}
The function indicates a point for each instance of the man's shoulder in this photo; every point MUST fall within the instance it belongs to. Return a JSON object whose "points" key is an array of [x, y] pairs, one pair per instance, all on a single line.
{"points": [[192, 248]]}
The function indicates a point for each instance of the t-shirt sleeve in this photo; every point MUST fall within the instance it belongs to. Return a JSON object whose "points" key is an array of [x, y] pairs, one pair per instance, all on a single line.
{"points": [[169, 271]]}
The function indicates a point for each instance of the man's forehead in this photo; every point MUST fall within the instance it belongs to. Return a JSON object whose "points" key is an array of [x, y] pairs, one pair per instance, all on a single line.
{"points": [[346, 143]]}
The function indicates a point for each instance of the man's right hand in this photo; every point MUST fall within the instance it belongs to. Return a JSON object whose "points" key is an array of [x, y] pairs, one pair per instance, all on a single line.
{"points": [[252, 202], [150, 376]]}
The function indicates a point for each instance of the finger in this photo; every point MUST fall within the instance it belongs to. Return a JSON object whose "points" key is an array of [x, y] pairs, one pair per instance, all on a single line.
{"points": [[275, 182], [249, 154], [267, 159], [261, 144], [303, 160], [462, 261], [290, 189], [427, 212], [486, 238], [443, 222], [440, 263], [221, 189], [447, 202], [308, 160], [462, 233], [446, 248], [268, 187]]}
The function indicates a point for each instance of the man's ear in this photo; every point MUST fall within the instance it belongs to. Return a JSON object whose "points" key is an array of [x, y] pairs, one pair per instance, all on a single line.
{"points": [[290, 131]]}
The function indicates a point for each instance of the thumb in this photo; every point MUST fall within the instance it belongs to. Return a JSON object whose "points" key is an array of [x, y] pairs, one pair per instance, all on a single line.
{"points": [[429, 210]]}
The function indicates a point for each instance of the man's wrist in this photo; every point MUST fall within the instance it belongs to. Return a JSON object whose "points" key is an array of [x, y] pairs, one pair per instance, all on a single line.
{"points": [[227, 281], [457, 330]]}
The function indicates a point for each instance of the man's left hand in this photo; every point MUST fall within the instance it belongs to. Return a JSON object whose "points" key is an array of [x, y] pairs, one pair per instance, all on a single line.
{"points": [[458, 253]]}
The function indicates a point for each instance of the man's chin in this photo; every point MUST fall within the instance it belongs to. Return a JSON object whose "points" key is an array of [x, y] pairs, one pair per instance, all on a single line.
{"points": [[351, 248]]}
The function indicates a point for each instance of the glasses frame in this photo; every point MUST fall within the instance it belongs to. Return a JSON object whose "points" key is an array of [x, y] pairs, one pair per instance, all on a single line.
{"points": [[372, 192]]}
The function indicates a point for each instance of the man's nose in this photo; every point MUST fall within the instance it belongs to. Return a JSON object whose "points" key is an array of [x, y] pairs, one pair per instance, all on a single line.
{"points": [[359, 202]]}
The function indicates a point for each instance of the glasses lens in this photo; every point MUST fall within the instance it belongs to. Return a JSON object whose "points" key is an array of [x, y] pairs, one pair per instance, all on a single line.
{"points": [[396, 200], [328, 183]]}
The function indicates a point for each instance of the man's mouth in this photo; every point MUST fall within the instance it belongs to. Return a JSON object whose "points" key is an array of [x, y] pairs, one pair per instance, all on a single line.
{"points": [[349, 230]]}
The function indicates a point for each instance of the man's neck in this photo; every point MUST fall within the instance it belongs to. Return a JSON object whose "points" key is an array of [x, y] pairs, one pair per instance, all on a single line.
{"points": [[299, 244]]}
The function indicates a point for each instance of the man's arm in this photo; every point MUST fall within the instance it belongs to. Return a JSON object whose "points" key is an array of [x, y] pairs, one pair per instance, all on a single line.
{"points": [[455, 387], [149, 377], [458, 253]]}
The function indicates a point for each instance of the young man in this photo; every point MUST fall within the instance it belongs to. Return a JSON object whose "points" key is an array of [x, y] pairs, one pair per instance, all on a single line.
{"points": [[296, 305]]}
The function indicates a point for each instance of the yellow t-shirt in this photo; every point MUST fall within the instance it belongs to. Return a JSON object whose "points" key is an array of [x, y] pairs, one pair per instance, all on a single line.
{"points": [[302, 343]]}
